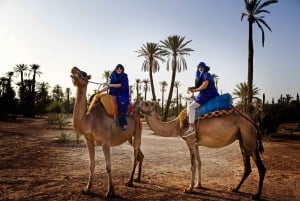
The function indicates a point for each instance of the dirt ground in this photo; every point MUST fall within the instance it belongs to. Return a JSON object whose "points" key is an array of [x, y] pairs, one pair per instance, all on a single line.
{"points": [[35, 165]]}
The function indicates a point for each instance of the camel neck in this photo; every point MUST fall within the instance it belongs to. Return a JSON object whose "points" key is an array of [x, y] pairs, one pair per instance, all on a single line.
{"points": [[164, 129], [79, 108]]}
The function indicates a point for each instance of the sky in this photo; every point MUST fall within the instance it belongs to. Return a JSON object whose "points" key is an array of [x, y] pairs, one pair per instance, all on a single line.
{"points": [[96, 35]]}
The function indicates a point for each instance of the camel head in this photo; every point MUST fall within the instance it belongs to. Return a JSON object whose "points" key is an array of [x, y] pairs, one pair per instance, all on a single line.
{"points": [[79, 77], [146, 107]]}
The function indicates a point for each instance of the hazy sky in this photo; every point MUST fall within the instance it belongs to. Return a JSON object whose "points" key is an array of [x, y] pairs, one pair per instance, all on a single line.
{"points": [[95, 35]]}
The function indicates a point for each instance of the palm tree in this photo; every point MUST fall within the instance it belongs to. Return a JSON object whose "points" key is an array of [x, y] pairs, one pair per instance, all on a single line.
{"points": [[180, 97], [152, 53], [137, 87], [42, 98], [131, 90], [106, 76], [216, 79], [68, 93], [163, 85], [175, 48], [35, 70], [241, 92], [9, 75], [254, 7], [176, 85], [146, 82], [21, 69]]}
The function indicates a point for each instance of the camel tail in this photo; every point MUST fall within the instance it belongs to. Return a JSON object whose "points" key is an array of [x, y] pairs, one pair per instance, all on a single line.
{"points": [[260, 144]]}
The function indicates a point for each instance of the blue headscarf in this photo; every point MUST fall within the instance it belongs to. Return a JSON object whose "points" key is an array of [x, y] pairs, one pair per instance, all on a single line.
{"points": [[122, 79], [115, 77], [205, 69]]}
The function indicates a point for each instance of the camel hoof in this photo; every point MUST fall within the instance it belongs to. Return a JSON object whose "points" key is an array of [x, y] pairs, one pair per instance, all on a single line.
{"points": [[129, 184], [198, 186], [86, 192], [233, 190], [137, 180], [255, 197], [110, 194], [188, 190]]}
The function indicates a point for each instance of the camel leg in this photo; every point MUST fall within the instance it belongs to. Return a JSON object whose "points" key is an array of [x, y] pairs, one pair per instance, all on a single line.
{"points": [[137, 159], [191, 145], [261, 171], [91, 150], [247, 170], [106, 151], [198, 185], [140, 159]]}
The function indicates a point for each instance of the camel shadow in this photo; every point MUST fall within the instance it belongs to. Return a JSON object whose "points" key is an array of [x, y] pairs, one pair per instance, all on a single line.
{"points": [[99, 196]]}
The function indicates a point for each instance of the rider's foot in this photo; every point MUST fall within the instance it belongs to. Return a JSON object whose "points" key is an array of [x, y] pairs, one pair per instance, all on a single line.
{"points": [[190, 131]]}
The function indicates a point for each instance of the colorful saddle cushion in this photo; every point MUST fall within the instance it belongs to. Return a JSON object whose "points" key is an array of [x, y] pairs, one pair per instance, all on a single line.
{"points": [[222, 102]]}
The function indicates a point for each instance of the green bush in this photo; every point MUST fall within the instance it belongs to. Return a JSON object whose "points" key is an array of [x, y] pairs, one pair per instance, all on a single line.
{"points": [[56, 107], [64, 138], [59, 120]]}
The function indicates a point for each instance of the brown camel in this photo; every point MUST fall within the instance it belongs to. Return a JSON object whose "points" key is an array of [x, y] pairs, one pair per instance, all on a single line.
{"points": [[214, 132], [96, 126]]}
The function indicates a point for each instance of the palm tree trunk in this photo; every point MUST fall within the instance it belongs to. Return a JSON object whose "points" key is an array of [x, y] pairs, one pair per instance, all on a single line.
{"points": [[250, 68], [152, 81], [171, 90]]}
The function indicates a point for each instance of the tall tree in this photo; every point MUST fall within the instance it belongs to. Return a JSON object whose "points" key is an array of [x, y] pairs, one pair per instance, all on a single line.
{"points": [[57, 93], [35, 70], [152, 53], [42, 97], [146, 82], [163, 85], [21, 69], [175, 48], [241, 92], [176, 85], [68, 93], [137, 87], [106, 76], [216, 79], [254, 8]]}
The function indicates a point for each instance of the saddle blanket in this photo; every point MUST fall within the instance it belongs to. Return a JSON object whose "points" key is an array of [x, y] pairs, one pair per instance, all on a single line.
{"points": [[222, 102], [216, 114], [110, 104]]}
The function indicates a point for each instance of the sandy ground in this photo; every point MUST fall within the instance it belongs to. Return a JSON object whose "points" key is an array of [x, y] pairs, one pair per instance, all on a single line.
{"points": [[35, 166]]}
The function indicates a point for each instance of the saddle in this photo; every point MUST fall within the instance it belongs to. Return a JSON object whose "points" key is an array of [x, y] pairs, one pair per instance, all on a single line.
{"points": [[216, 114], [183, 116], [110, 104]]}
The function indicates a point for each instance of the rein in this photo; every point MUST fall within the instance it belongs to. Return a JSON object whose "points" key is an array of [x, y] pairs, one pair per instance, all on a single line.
{"points": [[82, 78]]}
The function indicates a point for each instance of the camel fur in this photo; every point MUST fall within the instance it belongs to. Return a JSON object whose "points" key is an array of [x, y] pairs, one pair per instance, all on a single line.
{"points": [[98, 127], [214, 132]]}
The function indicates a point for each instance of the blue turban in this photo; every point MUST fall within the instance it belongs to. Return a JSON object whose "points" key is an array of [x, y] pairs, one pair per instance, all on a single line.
{"points": [[120, 66], [205, 69]]}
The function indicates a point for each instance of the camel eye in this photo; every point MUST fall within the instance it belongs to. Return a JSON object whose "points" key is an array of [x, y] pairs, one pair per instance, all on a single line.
{"points": [[83, 74]]}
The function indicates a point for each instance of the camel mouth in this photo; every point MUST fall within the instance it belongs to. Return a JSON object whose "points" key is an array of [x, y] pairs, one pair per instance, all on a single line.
{"points": [[78, 74]]}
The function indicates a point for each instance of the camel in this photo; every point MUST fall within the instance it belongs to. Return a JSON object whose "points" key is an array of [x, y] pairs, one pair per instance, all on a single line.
{"points": [[213, 132], [96, 126]]}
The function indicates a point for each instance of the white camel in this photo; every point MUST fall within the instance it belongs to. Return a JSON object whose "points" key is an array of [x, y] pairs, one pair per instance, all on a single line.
{"points": [[214, 132], [98, 127]]}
